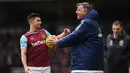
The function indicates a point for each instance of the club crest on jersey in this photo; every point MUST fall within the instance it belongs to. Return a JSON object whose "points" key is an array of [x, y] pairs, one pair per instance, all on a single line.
{"points": [[31, 38], [121, 43], [43, 36], [111, 43]]}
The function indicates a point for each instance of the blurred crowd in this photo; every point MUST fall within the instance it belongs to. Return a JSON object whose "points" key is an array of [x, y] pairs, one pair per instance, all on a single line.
{"points": [[9, 50]]}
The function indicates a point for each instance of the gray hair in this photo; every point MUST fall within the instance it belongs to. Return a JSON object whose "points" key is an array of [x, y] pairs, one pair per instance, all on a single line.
{"points": [[85, 5]]}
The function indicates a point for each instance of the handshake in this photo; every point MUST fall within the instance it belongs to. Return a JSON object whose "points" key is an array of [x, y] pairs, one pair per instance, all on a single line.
{"points": [[52, 39]]}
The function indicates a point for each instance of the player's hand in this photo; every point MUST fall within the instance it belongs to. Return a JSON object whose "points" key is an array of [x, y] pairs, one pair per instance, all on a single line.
{"points": [[26, 70], [51, 38], [66, 31], [51, 41]]}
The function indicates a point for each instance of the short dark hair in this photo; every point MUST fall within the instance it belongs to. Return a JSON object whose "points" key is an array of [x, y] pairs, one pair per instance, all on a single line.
{"points": [[33, 15], [85, 5], [117, 22]]}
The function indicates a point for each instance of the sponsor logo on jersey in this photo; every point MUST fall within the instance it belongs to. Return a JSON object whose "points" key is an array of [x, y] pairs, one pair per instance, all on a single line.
{"points": [[38, 43], [31, 38], [43, 36]]}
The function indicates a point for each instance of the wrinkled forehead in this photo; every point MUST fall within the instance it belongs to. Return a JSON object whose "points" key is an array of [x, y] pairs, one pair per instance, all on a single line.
{"points": [[84, 5], [80, 8]]}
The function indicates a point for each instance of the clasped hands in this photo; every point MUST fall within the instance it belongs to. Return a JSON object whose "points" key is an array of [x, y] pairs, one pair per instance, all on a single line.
{"points": [[52, 39]]}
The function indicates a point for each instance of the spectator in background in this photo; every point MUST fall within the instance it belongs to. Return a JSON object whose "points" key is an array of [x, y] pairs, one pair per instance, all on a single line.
{"points": [[117, 50]]}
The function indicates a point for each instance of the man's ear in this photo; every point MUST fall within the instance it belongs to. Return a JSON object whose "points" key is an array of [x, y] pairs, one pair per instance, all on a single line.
{"points": [[86, 11], [30, 21]]}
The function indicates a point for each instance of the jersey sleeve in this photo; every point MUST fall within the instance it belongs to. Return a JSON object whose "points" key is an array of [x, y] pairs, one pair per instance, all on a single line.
{"points": [[23, 42], [47, 33], [73, 37]]}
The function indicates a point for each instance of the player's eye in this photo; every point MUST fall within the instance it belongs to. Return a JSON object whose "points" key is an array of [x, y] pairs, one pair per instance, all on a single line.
{"points": [[39, 20]]}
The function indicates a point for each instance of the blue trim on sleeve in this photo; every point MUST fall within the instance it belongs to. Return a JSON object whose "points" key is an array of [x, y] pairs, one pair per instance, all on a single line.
{"points": [[23, 42], [47, 33]]}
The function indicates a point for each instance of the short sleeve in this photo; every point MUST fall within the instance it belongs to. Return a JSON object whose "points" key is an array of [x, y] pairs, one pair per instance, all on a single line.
{"points": [[47, 33], [23, 42]]}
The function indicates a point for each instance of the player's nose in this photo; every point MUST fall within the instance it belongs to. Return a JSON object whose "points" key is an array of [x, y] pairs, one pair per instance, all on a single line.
{"points": [[40, 22], [76, 12]]}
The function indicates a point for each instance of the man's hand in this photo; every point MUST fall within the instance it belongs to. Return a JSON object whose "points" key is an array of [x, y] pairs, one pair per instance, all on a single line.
{"points": [[26, 69], [66, 31], [51, 41]]}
